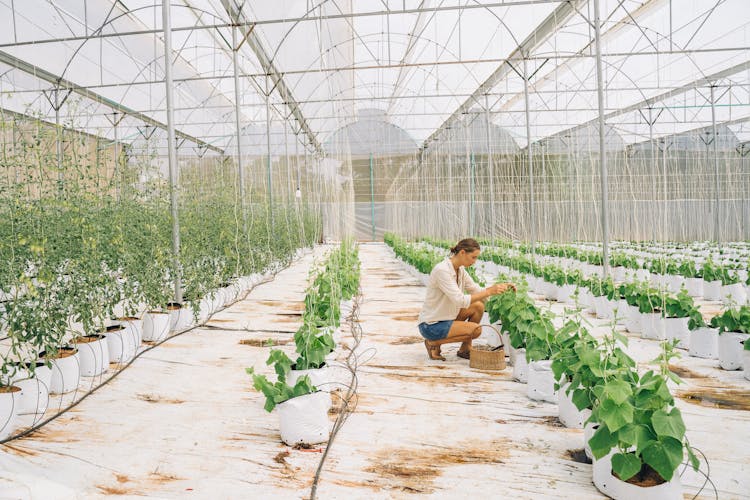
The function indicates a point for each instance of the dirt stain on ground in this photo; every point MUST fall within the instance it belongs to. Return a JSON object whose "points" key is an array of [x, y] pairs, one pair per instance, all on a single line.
{"points": [[114, 490], [155, 398], [406, 318], [435, 379], [24, 452], [265, 342], [695, 378], [552, 421], [415, 469], [725, 399], [292, 306], [406, 341]]}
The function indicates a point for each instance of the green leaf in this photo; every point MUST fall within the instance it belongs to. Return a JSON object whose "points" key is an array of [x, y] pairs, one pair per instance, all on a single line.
{"points": [[669, 424], [618, 390], [602, 441], [664, 456], [626, 465], [614, 415]]}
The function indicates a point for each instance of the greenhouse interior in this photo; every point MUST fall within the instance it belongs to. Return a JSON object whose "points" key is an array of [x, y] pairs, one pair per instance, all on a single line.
{"points": [[346, 249]]}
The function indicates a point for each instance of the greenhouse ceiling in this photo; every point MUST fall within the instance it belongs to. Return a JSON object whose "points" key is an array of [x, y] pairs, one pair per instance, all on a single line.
{"points": [[308, 68]]}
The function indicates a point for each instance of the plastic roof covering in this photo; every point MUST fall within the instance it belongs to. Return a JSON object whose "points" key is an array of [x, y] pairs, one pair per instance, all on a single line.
{"points": [[395, 55]]}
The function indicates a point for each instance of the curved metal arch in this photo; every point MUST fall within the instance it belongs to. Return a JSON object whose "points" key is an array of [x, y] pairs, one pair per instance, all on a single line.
{"points": [[298, 21], [332, 74], [108, 21]]}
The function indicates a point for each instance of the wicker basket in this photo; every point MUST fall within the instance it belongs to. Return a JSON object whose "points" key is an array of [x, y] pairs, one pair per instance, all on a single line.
{"points": [[488, 358]]}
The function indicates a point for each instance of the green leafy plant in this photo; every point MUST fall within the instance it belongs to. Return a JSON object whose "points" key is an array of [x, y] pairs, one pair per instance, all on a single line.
{"points": [[733, 320], [637, 418]]}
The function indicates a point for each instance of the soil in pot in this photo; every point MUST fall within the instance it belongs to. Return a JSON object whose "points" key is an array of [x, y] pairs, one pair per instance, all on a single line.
{"points": [[9, 389], [646, 477], [86, 339], [63, 352], [114, 328]]}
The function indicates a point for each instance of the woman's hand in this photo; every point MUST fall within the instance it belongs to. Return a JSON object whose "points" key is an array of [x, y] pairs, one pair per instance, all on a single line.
{"points": [[499, 288]]}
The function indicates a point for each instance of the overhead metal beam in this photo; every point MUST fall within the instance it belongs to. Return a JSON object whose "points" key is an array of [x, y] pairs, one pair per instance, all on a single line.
{"points": [[289, 20], [62, 83], [253, 41], [646, 103], [550, 25]]}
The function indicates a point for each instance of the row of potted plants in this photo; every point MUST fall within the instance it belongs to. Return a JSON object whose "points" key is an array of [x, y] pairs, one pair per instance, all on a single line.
{"points": [[301, 389], [635, 433], [654, 313], [78, 272]]}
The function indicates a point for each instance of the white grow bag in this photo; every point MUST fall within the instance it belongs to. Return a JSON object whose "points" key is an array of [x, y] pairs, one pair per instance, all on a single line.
{"points": [[304, 419], [617, 489], [570, 416], [541, 382], [704, 343]]}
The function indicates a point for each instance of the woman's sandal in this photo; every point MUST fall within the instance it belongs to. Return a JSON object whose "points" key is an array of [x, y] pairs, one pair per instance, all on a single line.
{"points": [[431, 352]]}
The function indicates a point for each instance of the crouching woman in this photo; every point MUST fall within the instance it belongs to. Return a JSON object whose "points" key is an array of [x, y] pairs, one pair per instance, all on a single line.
{"points": [[454, 303]]}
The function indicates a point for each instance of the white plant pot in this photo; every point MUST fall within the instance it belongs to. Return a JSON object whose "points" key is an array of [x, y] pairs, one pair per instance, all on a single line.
{"points": [[550, 291], [506, 345], [570, 416], [134, 329], [66, 374], [34, 396], [603, 307], [704, 343], [694, 286], [304, 419], [652, 326], [620, 310], [677, 328], [565, 294], [541, 382], [120, 344], [642, 274], [319, 377], [659, 280], [9, 410], [675, 283], [155, 326], [520, 366], [93, 355], [746, 363], [712, 290], [633, 321], [618, 273], [617, 489], [730, 350], [734, 294]]}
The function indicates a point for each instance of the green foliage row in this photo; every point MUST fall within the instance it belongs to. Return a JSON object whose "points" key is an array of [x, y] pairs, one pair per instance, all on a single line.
{"points": [[336, 280], [635, 413]]}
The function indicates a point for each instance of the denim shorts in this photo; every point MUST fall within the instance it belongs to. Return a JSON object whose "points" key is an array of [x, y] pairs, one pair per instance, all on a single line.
{"points": [[435, 331]]}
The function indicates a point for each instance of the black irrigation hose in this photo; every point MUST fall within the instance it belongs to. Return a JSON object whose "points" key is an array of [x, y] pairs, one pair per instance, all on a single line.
{"points": [[75, 403], [352, 363]]}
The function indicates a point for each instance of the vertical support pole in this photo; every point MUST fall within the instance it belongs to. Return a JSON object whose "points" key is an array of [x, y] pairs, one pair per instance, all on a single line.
{"points": [[490, 166], [171, 148], [372, 200], [240, 167], [472, 215], [664, 188], [653, 162], [268, 151], [717, 218], [286, 165], [529, 161], [117, 158], [58, 142], [602, 148], [544, 190]]}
